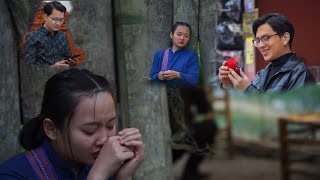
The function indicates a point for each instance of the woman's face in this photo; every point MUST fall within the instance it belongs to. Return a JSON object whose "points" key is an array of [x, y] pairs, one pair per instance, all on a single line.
{"points": [[91, 125], [180, 37]]}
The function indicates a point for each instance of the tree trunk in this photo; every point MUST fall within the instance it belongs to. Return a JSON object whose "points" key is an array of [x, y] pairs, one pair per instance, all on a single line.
{"points": [[208, 55], [90, 25], [141, 29], [188, 11], [14, 22], [22, 12], [9, 103]]}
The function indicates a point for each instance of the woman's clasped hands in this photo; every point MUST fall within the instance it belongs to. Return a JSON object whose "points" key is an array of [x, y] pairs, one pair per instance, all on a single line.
{"points": [[120, 156], [168, 75]]}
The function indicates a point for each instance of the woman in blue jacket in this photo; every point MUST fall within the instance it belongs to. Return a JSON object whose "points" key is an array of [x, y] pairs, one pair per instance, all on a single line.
{"points": [[176, 66], [74, 136]]}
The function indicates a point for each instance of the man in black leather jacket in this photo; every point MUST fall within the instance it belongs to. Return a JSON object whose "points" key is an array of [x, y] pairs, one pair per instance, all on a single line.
{"points": [[273, 37]]}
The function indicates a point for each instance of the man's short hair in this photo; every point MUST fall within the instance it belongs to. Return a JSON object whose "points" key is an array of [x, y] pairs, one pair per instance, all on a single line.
{"points": [[279, 23], [48, 8]]}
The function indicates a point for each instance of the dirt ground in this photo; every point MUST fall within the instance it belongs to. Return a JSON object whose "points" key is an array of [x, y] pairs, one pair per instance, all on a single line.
{"points": [[242, 167]]}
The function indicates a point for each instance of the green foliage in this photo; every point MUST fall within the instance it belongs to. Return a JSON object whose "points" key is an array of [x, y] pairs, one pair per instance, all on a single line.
{"points": [[255, 116]]}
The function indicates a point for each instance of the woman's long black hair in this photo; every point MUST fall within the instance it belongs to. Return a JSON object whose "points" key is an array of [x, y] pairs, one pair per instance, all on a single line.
{"points": [[61, 96]]}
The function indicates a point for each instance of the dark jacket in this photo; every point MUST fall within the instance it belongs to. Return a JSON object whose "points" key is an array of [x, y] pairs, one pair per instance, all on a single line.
{"points": [[43, 47], [291, 75]]}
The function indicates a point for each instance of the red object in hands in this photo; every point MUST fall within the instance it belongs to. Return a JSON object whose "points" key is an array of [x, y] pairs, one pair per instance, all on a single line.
{"points": [[232, 63]]}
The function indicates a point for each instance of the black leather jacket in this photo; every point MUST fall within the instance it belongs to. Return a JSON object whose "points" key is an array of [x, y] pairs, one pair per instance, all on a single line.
{"points": [[291, 75]]}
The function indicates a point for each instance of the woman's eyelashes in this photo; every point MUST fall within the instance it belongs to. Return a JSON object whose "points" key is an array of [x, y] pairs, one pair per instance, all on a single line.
{"points": [[89, 133], [110, 127], [111, 124], [89, 130]]}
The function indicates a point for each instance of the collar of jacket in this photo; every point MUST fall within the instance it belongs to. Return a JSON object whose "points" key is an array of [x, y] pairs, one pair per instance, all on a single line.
{"points": [[289, 65], [46, 31]]}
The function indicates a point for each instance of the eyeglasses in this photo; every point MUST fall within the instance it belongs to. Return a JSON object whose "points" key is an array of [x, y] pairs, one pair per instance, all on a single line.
{"points": [[54, 19], [263, 39]]}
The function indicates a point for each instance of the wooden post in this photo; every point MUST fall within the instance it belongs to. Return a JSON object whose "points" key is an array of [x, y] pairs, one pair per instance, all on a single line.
{"points": [[284, 162]]}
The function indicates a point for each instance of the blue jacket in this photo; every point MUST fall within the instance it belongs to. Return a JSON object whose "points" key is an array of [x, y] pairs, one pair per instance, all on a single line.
{"points": [[18, 167], [184, 61]]}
